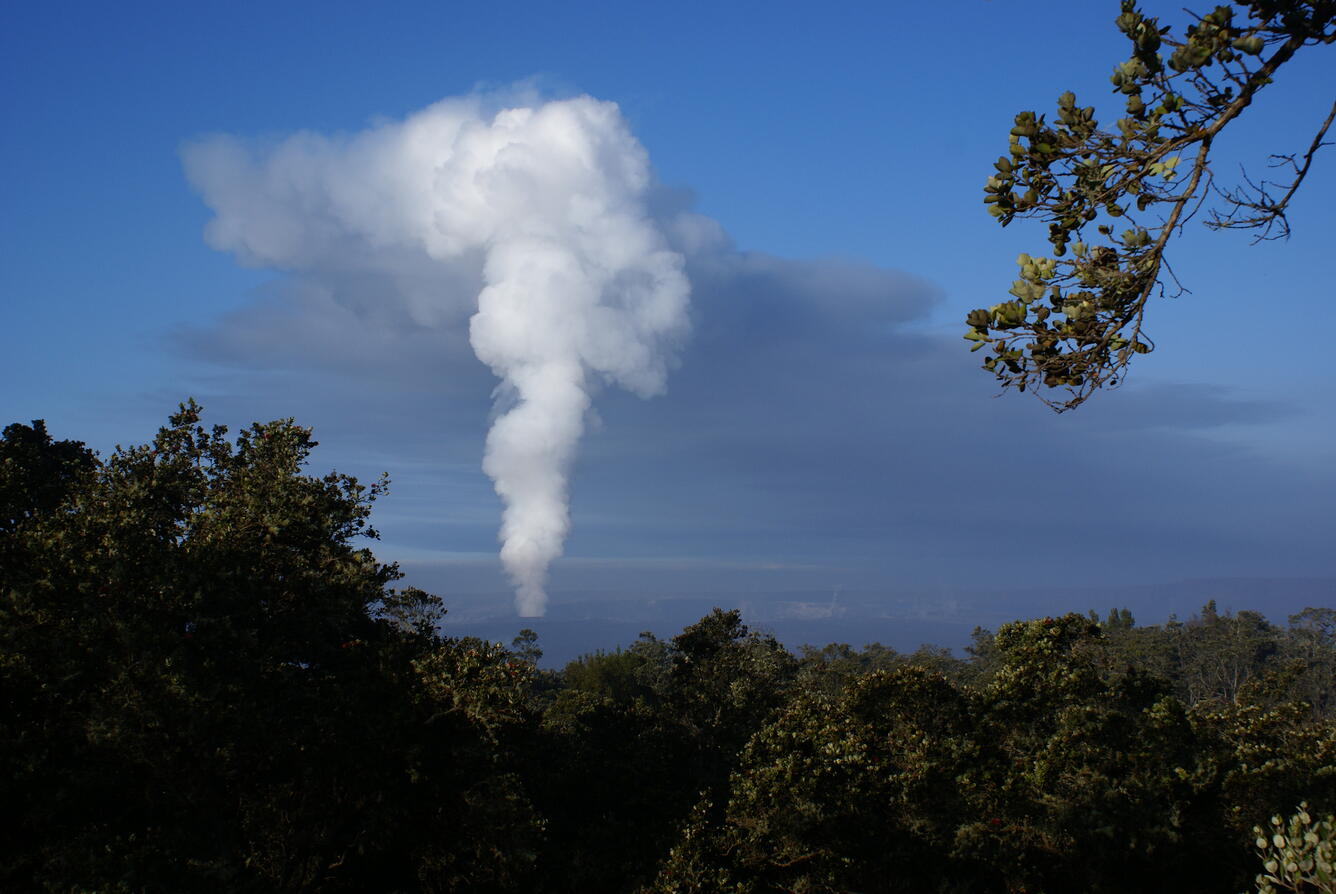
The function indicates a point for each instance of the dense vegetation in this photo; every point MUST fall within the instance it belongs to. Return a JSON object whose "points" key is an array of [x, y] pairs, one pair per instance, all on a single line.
{"points": [[207, 685]]}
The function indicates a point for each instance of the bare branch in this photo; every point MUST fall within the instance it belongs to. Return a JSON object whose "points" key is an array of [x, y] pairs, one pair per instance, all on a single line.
{"points": [[1266, 212]]}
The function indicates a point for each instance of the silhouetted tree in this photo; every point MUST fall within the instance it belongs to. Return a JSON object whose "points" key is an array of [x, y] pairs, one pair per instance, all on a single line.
{"points": [[208, 686]]}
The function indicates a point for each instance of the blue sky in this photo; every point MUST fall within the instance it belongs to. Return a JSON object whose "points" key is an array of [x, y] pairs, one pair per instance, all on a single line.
{"points": [[825, 428]]}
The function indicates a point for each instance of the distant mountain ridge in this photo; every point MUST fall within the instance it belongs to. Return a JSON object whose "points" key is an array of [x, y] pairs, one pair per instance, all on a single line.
{"points": [[582, 622]]}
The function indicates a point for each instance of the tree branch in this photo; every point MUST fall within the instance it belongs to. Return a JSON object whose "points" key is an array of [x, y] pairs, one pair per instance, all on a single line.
{"points": [[1270, 212]]}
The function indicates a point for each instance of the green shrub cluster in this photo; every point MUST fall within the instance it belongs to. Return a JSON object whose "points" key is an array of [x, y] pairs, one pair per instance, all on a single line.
{"points": [[1297, 855]]}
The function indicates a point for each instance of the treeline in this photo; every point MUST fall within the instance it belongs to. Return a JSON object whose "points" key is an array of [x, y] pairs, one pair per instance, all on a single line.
{"points": [[207, 686]]}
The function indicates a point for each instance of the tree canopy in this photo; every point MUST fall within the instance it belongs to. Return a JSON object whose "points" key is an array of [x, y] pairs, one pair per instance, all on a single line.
{"points": [[1114, 197], [209, 683]]}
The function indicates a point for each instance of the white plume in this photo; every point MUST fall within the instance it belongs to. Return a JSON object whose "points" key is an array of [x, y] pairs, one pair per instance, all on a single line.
{"points": [[544, 205]]}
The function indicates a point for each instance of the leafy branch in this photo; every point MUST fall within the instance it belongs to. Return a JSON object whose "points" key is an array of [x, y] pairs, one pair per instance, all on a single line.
{"points": [[1075, 323]]}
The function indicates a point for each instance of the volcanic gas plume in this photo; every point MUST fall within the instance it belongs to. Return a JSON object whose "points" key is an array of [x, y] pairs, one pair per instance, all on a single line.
{"points": [[543, 205]]}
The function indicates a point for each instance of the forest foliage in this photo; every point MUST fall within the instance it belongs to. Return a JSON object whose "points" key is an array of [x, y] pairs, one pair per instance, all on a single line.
{"points": [[210, 683]]}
